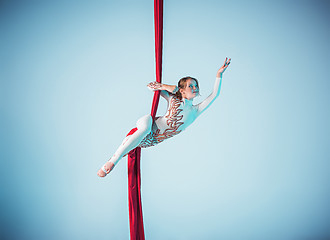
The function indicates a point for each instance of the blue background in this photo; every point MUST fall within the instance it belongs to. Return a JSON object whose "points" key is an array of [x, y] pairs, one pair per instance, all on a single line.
{"points": [[254, 166]]}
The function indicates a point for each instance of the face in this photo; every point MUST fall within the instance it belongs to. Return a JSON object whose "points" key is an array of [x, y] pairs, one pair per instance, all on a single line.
{"points": [[191, 90]]}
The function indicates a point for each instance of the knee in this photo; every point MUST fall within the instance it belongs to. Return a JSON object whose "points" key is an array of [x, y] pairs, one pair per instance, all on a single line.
{"points": [[144, 124]]}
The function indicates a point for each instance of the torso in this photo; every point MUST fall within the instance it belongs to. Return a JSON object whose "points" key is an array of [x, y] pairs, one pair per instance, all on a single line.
{"points": [[180, 114]]}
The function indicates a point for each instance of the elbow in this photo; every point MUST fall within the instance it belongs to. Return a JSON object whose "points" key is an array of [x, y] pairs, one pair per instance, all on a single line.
{"points": [[216, 95]]}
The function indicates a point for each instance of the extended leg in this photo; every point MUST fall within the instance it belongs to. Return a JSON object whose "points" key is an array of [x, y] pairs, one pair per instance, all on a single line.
{"points": [[143, 125]]}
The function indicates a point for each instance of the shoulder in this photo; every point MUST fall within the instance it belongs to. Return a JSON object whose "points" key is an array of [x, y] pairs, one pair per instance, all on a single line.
{"points": [[167, 95], [175, 97]]}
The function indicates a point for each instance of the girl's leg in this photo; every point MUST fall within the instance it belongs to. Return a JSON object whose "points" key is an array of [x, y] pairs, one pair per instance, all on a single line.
{"points": [[144, 126]]}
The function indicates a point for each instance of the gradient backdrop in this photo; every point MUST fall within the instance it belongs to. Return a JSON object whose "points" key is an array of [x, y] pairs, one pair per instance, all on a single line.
{"points": [[254, 166]]}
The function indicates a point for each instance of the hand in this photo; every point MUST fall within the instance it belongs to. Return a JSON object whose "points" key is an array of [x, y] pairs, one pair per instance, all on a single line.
{"points": [[223, 67], [155, 86]]}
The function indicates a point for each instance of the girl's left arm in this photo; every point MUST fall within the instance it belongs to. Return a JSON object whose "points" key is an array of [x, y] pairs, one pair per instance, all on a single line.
{"points": [[201, 107]]}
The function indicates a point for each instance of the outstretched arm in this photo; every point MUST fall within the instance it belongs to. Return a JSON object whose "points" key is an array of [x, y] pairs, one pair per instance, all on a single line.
{"points": [[165, 89], [216, 89]]}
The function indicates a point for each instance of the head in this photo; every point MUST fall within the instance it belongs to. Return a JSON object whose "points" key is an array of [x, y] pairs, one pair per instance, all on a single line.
{"points": [[188, 88]]}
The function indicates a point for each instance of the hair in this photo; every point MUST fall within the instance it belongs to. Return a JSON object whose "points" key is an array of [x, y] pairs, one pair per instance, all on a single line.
{"points": [[182, 84]]}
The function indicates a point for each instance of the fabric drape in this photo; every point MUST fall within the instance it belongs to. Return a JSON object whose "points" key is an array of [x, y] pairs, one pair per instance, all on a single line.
{"points": [[134, 156]]}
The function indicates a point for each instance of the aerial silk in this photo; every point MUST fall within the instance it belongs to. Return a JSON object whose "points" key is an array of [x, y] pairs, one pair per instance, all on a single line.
{"points": [[134, 156]]}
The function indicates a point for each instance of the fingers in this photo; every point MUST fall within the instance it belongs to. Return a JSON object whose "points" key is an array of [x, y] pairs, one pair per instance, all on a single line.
{"points": [[224, 66], [151, 85], [227, 62], [154, 85]]}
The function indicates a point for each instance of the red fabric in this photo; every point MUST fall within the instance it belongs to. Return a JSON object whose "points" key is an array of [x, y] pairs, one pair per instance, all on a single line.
{"points": [[131, 132], [158, 14], [134, 178], [134, 195]]}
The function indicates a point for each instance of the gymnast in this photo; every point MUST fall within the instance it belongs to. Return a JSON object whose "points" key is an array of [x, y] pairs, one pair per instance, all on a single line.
{"points": [[180, 114]]}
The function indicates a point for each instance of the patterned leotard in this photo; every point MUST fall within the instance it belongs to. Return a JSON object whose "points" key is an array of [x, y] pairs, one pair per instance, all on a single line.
{"points": [[180, 114]]}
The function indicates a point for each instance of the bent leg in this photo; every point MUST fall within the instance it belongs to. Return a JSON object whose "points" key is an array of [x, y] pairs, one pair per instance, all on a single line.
{"points": [[144, 125]]}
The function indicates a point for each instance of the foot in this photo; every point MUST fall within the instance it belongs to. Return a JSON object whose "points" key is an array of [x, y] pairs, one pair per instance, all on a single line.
{"points": [[105, 170]]}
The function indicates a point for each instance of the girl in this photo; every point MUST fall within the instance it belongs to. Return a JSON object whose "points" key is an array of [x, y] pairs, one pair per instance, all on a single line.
{"points": [[180, 114]]}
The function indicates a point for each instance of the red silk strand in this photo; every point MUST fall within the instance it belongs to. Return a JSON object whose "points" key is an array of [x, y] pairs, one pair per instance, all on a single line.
{"points": [[134, 177], [134, 195], [158, 15]]}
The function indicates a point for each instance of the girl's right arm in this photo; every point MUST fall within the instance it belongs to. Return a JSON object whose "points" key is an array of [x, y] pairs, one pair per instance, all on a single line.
{"points": [[165, 89]]}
